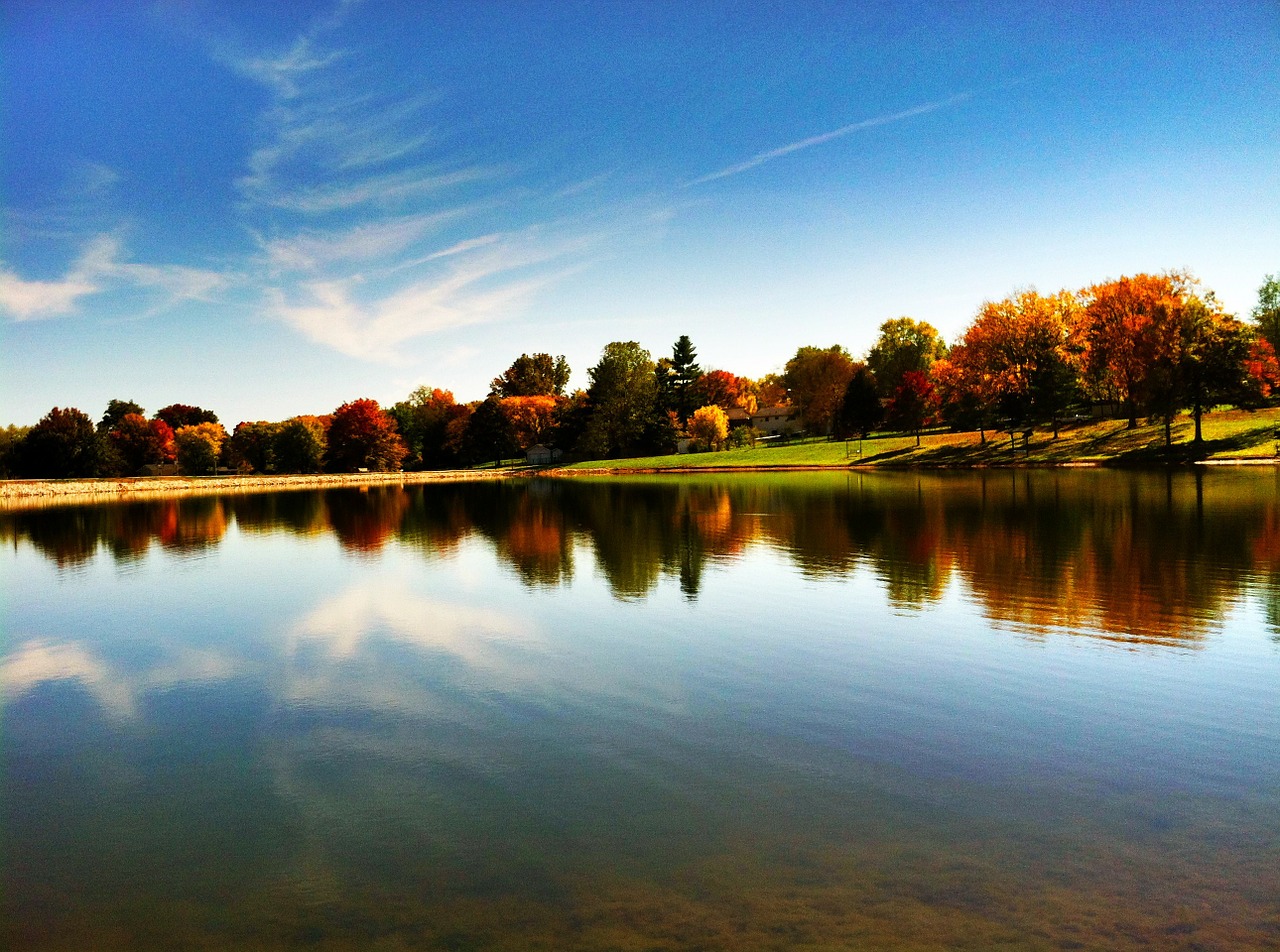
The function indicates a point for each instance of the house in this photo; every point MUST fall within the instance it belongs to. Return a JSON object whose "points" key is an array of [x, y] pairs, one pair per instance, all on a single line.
{"points": [[540, 455], [773, 421], [738, 417]]}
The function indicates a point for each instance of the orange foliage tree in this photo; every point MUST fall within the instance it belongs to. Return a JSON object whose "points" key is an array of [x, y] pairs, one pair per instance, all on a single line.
{"points": [[1126, 327], [718, 387], [816, 380], [532, 419], [1016, 359]]}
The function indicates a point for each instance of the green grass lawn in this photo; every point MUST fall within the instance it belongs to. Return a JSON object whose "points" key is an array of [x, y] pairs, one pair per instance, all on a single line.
{"points": [[1230, 434]]}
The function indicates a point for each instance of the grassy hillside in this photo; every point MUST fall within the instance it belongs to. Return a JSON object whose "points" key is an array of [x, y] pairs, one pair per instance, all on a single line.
{"points": [[1233, 434]]}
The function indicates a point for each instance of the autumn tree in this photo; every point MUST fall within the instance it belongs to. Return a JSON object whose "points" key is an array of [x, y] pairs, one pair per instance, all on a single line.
{"points": [[300, 445], [1262, 369], [251, 447], [490, 435], [816, 380], [622, 398], [11, 438], [532, 419], [771, 390], [64, 444], [903, 345], [363, 436], [966, 397], [423, 420], [1020, 350], [861, 410], [570, 421], [746, 394], [539, 375], [178, 415], [198, 447], [141, 442], [913, 404], [1266, 313], [717, 387], [1207, 364], [1128, 326], [117, 410], [709, 426]]}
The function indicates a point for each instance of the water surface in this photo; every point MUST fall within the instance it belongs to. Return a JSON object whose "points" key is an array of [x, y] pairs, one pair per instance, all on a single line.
{"points": [[1031, 710]]}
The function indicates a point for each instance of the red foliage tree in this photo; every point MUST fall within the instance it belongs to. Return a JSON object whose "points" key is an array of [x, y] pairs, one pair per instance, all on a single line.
{"points": [[178, 415], [715, 388], [1262, 368], [363, 436], [141, 442], [914, 403]]}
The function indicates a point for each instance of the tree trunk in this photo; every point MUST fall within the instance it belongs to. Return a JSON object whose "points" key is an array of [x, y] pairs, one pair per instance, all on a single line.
{"points": [[1168, 430], [1196, 411]]}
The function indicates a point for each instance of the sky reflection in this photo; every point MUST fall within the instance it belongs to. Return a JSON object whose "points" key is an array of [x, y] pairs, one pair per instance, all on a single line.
{"points": [[622, 703]]}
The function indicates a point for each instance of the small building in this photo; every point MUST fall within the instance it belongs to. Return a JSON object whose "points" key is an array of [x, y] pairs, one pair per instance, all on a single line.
{"points": [[160, 469], [541, 455], [775, 421]]}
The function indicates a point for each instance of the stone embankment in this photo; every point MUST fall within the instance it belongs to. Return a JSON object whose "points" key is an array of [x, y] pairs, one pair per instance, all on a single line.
{"points": [[16, 493]]}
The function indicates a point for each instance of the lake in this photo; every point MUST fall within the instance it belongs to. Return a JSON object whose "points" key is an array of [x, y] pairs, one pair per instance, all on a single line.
{"points": [[1013, 709]]}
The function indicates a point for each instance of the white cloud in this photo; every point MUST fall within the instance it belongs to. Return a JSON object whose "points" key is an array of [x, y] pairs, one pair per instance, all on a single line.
{"points": [[345, 151], [330, 313], [30, 300], [344, 624], [310, 250], [38, 662], [389, 189], [99, 268]]}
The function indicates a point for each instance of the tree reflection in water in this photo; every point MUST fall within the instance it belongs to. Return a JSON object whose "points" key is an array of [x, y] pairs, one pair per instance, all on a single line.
{"points": [[1134, 557]]}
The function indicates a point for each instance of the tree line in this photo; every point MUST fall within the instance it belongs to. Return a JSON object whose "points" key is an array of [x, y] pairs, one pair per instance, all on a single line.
{"points": [[1147, 345]]}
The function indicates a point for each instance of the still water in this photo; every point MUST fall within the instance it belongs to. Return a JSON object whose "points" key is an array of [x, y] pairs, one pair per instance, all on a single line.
{"points": [[1023, 710]]}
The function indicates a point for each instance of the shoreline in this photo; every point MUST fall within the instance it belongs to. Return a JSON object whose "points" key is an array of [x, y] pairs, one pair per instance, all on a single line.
{"points": [[22, 493], [897, 467], [18, 493]]}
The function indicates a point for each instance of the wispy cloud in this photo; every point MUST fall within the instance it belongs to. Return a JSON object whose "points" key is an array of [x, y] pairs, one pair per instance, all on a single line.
{"points": [[311, 250], [31, 300], [884, 120], [100, 268], [345, 315], [325, 148], [389, 253]]}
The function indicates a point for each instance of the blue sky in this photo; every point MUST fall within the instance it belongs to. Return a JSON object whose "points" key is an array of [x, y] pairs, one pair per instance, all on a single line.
{"points": [[269, 209]]}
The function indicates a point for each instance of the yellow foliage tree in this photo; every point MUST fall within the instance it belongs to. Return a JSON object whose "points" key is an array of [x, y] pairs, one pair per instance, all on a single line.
{"points": [[198, 448], [709, 426]]}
